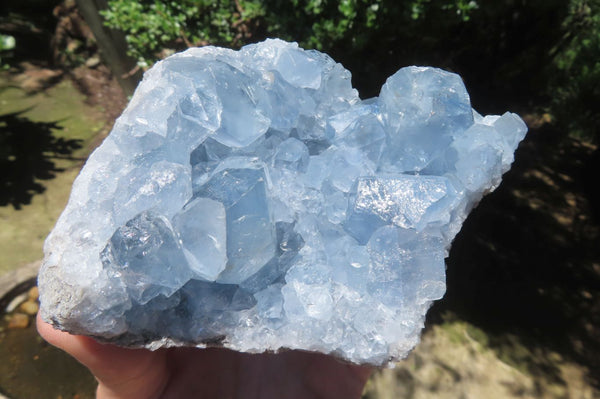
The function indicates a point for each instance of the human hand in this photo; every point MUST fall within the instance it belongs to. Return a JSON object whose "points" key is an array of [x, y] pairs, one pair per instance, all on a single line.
{"points": [[187, 373]]}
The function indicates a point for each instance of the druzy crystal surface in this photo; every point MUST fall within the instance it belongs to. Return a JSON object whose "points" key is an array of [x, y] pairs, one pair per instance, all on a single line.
{"points": [[250, 199]]}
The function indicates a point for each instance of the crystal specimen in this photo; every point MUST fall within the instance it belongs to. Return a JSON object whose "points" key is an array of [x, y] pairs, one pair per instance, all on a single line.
{"points": [[250, 199]]}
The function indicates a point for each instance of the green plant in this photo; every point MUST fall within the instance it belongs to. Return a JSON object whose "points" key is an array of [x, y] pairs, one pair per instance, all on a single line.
{"points": [[324, 24], [153, 25]]}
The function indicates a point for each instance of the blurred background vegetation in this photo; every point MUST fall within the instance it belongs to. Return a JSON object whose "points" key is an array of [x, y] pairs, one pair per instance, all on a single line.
{"points": [[543, 53], [521, 317], [534, 54]]}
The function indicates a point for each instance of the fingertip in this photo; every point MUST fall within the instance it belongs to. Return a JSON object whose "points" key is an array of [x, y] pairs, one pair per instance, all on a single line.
{"points": [[118, 369], [78, 346], [49, 333]]}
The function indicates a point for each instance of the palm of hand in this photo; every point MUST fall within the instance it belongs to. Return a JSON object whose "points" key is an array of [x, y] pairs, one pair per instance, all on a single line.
{"points": [[209, 373]]}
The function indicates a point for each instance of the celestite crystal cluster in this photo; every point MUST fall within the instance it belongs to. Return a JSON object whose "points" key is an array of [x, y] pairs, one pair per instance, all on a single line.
{"points": [[250, 199]]}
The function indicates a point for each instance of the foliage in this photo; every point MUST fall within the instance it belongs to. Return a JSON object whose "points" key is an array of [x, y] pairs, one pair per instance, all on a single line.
{"points": [[576, 86], [153, 25]]}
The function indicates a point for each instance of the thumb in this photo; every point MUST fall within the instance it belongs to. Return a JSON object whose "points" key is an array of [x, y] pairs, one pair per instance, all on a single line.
{"points": [[121, 372]]}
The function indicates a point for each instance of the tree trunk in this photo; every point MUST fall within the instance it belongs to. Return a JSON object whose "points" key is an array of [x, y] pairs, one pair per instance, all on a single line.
{"points": [[112, 45]]}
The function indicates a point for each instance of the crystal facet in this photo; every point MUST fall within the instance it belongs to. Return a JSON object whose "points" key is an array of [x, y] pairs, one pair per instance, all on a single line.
{"points": [[250, 199]]}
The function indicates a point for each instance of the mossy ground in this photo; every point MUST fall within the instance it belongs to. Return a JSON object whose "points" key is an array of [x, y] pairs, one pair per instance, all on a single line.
{"points": [[61, 128]]}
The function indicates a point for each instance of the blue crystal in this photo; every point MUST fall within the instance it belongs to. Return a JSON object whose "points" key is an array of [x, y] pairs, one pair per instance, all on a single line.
{"points": [[250, 234], [146, 255], [250, 199], [202, 230]]}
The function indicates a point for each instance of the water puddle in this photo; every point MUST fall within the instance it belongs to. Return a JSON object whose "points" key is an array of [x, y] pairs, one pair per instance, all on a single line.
{"points": [[30, 367]]}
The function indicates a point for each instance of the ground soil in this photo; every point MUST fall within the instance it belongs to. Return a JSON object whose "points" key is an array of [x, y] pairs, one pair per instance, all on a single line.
{"points": [[101, 89], [50, 120]]}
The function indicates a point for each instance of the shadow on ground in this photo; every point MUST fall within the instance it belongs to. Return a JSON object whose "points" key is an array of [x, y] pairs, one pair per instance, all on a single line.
{"points": [[29, 152], [526, 266]]}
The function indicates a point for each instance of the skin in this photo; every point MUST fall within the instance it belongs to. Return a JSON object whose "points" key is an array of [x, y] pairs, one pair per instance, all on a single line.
{"points": [[209, 373]]}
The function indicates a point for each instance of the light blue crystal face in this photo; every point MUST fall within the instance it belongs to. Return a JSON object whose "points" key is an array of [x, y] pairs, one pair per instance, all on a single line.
{"points": [[202, 227], [250, 199]]}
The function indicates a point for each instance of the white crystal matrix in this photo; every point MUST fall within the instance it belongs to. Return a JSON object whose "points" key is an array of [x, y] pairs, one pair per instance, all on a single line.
{"points": [[250, 199]]}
